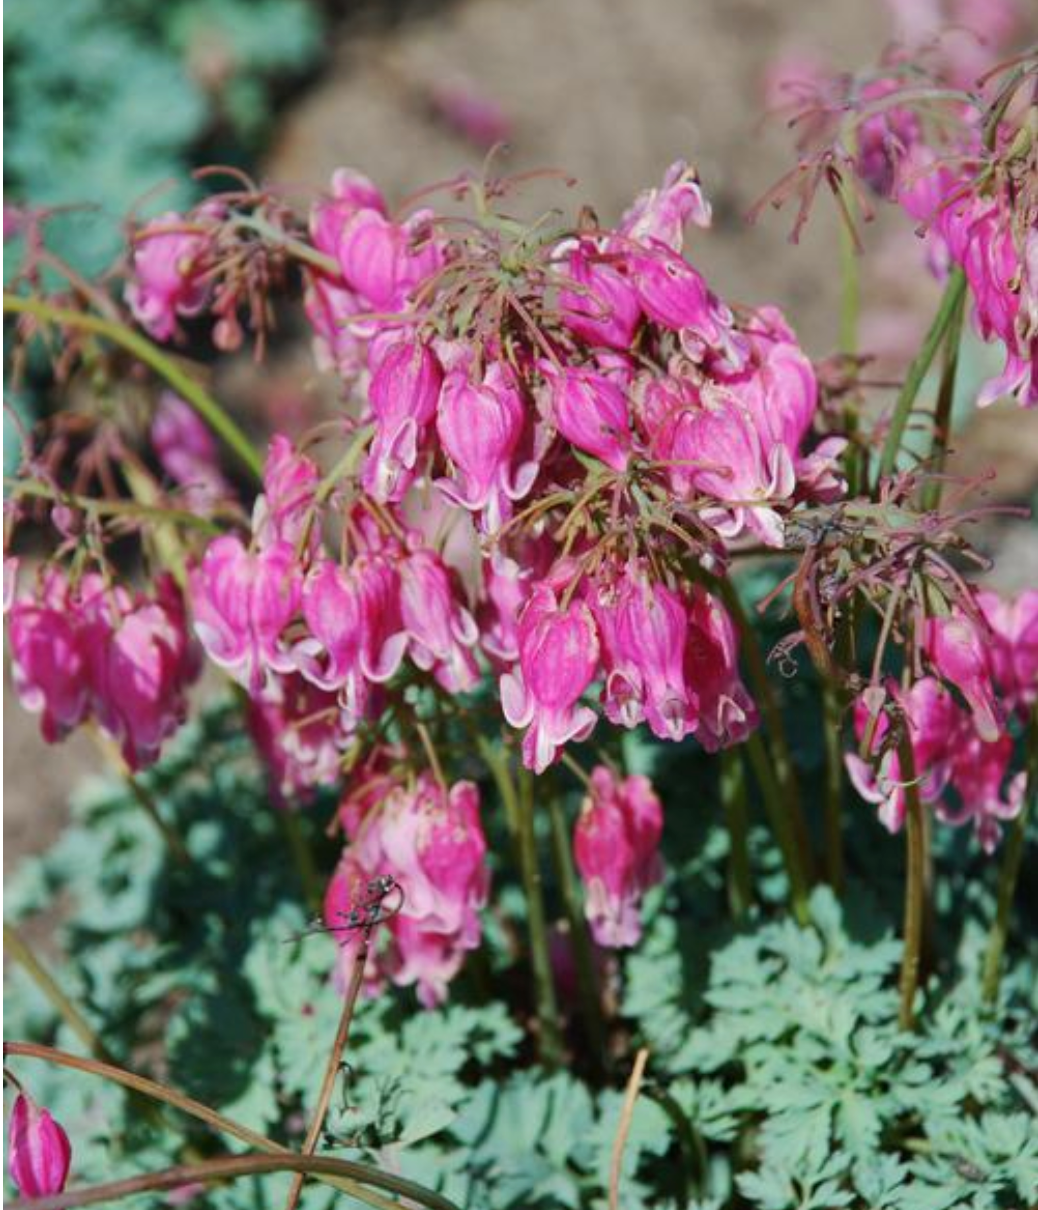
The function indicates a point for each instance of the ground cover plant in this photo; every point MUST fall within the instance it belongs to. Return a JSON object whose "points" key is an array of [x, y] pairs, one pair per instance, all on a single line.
{"points": [[610, 786]]}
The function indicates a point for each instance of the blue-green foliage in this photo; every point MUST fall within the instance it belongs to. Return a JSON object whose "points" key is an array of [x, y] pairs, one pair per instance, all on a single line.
{"points": [[777, 1075], [108, 99]]}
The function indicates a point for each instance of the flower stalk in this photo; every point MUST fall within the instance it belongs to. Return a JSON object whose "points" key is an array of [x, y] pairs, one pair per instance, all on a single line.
{"points": [[915, 886]]}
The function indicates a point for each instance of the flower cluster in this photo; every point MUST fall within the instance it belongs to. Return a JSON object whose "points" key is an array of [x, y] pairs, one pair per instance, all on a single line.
{"points": [[91, 649], [429, 840], [954, 720]]}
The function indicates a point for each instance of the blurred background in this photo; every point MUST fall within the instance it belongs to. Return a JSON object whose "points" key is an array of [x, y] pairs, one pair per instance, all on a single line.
{"points": [[111, 104]]}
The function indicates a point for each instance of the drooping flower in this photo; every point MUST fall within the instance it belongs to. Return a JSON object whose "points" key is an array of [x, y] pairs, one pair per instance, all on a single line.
{"points": [[599, 303], [615, 846], [141, 661], [383, 261], [726, 712], [1013, 650], [591, 411], [284, 511], [48, 663], [405, 386], [558, 656], [38, 1150], [441, 632], [978, 773], [354, 632], [187, 452], [479, 426], [430, 841], [168, 282], [242, 604], [959, 653], [644, 628], [930, 716], [300, 732]]}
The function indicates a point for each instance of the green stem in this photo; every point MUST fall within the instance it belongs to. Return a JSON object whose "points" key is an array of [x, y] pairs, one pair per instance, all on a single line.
{"points": [[141, 795], [111, 508], [16, 946], [942, 420], [496, 760], [954, 292], [188, 1105], [689, 1139], [778, 739], [832, 724], [233, 1166], [915, 885], [778, 817], [1009, 874], [850, 275], [583, 951], [550, 1039], [733, 803], [302, 857], [163, 365]]}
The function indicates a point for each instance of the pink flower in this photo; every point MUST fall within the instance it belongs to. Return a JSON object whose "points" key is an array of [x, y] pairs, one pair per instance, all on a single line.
{"points": [[474, 115], [959, 653], [598, 303], [591, 411], [404, 391], [299, 731], [354, 631], [330, 307], [718, 451], [384, 261], [726, 712], [930, 716], [659, 216], [242, 605], [480, 428], [351, 192], [187, 452], [168, 267], [978, 770], [284, 512], [1013, 650], [670, 291], [48, 662], [431, 842], [558, 657], [38, 1150], [440, 630], [644, 627], [885, 138], [141, 661], [615, 845]]}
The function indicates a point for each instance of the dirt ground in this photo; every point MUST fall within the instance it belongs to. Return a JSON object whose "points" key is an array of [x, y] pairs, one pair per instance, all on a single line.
{"points": [[611, 91]]}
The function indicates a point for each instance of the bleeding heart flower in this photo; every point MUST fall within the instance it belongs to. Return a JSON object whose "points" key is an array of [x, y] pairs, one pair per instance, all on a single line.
{"points": [[38, 1151]]}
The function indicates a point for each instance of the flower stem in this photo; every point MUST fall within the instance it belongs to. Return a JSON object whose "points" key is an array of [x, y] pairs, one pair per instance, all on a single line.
{"points": [[331, 1071], [778, 740], [954, 293], [942, 420], [349, 1181], [16, 945], [233, 1166], [1009, 874], [550, 1038], [634, 1084], [832, 721], [584, 956], [302, 857], [142, 796], [778, 816], [165, 366], [733, 803], [915, 885]]}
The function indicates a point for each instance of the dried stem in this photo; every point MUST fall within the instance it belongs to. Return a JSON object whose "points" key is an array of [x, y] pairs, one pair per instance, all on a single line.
{"points": [[634, 1084], [331, 1071]]}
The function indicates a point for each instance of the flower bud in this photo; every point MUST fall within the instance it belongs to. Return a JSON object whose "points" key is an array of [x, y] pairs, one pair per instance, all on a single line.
{"points": [[38, 1150]]}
